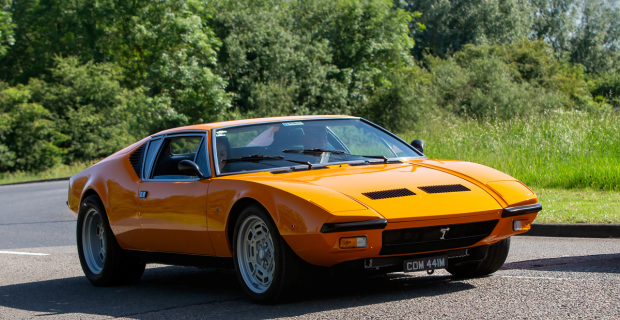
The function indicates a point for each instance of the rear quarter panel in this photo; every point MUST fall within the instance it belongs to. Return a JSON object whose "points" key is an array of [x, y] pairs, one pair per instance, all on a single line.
{"points": [[116, 183]]}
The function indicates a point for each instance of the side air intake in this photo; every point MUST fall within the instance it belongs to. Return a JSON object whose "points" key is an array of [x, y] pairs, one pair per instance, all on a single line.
{"points": [[136, 159], [444, 188], [394, 193]]}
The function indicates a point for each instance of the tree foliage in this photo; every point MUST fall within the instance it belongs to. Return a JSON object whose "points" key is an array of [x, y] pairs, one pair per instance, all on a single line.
{"points": [[81, 79], [452, 24]]}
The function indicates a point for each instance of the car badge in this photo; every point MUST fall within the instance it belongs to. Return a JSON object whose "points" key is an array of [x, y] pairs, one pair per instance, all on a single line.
{"points": [[443, 233]]}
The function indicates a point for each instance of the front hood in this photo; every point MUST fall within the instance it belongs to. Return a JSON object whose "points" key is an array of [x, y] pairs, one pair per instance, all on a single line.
{"points": [[354, 181]]}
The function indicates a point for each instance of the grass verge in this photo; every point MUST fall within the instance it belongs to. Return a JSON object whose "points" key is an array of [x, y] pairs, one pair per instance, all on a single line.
{"points": [[578, 206], [60, 171], [560, 150]]}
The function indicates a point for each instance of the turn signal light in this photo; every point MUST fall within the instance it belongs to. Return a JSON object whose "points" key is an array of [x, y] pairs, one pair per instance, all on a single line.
{"points": [[521, 225], [353, 242]]}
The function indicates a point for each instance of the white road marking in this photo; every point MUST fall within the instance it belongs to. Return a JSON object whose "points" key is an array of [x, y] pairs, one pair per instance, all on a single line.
{"points": [[545, 278], [24, 253]]}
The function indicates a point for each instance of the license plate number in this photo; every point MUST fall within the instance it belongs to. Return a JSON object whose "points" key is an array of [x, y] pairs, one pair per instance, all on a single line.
{"points": [[425, 264]]}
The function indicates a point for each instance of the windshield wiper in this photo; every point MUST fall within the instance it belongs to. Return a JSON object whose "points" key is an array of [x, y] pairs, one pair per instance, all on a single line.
{"points": [[253, 158], [384, 158], [260, 157], [315, 150]]}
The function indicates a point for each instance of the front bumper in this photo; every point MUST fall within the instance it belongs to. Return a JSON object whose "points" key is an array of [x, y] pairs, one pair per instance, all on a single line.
{"points": [[395, 264], [326, 252]]}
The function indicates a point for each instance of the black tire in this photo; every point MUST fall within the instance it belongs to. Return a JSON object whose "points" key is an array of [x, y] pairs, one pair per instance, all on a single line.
{"points": [[496, 256], [290, 271], [113, 267]]}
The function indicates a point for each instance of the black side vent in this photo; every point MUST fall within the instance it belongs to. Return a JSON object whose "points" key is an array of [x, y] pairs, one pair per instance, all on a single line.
{"points": [[445, 188], [136, 159], [394, 193]]}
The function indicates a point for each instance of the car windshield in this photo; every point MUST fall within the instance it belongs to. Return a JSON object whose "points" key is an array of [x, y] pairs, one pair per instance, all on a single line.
{"points": [[311, 142]]}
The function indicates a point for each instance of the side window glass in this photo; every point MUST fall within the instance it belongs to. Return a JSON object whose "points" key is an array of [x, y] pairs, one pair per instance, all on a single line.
{"points": [[173, 151], [202, 159], [150, 155]]}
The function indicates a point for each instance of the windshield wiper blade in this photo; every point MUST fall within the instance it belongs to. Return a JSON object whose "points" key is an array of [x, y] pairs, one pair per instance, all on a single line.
{"points": [[254, 157], [260, 157], [384, 158], [315, 150]]}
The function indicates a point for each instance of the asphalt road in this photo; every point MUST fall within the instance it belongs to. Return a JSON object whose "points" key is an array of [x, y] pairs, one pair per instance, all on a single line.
{"points": [[546, 278]]}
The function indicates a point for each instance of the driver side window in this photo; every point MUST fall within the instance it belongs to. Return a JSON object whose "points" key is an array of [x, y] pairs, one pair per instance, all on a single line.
{"points": [[173, 150]]}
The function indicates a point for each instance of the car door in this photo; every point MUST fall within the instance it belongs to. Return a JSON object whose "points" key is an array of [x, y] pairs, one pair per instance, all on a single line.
{"points": [[173, 206]]}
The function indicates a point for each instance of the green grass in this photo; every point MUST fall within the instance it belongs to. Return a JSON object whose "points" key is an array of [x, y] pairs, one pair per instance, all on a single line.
{"points": [[579, 206], [566, 150], [60, 171], [571, 159]]}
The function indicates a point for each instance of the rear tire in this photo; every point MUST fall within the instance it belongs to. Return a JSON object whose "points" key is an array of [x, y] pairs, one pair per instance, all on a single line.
{"points": [[496, 256], [103, 261], [267, 268]]}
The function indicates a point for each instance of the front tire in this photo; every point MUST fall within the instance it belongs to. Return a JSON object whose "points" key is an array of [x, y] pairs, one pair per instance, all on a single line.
{"points": [[267, 268], [496, 256], [103, 261]]}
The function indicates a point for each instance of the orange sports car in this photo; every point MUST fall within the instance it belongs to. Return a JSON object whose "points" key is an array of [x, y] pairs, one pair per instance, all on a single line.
{"points": [[273, 197]]}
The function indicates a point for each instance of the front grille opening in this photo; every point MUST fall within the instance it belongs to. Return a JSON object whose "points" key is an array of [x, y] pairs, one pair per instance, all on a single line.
{"points": [[444, 188], [136, 159], [385, 194], [434, 238]]}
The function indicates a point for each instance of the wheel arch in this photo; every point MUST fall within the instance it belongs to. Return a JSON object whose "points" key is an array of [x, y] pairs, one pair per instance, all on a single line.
{"points": [[235, 211]]}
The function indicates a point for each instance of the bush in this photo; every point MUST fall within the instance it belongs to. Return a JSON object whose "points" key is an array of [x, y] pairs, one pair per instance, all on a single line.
{"points": [[508, 81], [81, 113]]}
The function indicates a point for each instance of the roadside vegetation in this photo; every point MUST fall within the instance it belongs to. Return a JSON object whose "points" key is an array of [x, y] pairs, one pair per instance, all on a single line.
{"points": [[570, 159], [559, 149], [578, 205], [56, 172], [530, 87]]}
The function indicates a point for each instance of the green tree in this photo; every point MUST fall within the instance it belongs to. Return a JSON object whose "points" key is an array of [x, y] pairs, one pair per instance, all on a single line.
{"points": [[452, 24], [27, 132], [555, 22], [507, 81], [300, 57], [6, 27], [163, 46], [595, 43]]}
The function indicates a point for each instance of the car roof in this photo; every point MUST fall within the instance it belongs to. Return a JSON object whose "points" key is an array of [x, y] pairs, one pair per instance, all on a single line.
{"points": [[209, 126]]}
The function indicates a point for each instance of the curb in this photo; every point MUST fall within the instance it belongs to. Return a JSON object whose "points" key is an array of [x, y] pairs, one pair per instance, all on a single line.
{"points": [[577, 230], [35, 181]]}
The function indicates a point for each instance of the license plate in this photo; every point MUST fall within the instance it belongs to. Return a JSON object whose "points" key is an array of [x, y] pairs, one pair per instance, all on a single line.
{"points": [[430, 263]]}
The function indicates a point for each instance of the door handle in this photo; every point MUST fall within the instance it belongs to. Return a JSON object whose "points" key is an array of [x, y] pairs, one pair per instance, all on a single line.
{"points": [[144, 194]]}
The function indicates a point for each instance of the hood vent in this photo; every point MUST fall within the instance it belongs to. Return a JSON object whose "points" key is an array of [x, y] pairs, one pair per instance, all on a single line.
{"points": [[394, 193], [444, 188], [136, 159]]}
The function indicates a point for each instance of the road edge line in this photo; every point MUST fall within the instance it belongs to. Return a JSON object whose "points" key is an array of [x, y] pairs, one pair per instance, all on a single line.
{"points": [[35, 181]]}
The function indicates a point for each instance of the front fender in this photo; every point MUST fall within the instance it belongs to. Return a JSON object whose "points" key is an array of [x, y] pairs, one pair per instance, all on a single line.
{"points": [[297, 209]]}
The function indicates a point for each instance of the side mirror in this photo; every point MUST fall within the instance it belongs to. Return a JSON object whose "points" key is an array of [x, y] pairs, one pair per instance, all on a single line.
{"points": [[190, 168], [418, 144]]}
